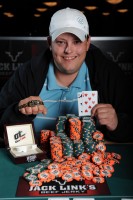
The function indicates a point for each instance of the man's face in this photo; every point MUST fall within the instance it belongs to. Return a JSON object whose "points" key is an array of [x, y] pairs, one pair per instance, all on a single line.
{"points": [[69, 53]]}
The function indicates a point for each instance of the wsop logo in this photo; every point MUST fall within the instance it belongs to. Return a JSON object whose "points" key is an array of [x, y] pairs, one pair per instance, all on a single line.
{"points": [[19, 136], [31, 158]]}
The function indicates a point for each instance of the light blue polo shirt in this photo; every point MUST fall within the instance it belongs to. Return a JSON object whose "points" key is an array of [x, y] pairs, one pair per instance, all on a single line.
{"points": [[59, 100]]}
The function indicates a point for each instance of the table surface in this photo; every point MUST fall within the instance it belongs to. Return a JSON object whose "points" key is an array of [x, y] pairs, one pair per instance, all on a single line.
{"points": [[120, 184]]}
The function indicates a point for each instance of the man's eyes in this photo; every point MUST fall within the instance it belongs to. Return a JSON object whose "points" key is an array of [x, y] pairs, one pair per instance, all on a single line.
{"points": [[77, 42], [63, 42], [60, 42]]}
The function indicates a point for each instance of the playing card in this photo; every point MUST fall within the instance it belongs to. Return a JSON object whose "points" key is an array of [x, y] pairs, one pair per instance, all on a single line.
{"points": [[80, 103], [86, 101], [89, 100]]}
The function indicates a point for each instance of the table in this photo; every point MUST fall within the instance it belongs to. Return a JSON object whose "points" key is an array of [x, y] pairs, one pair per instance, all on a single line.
{"points": [[120, 184]]}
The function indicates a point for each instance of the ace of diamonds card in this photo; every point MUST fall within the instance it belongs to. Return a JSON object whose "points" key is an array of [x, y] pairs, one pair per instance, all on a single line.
{"points": [[86, 101]]}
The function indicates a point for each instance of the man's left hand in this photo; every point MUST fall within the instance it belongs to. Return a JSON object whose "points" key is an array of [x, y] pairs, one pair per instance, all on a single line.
{"points": [[106, 115]]}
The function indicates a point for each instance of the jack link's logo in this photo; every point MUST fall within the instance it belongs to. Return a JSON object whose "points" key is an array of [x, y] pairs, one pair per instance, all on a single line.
{"points": [[6, 68], [14, 58], [115, 59], [78, 187]]}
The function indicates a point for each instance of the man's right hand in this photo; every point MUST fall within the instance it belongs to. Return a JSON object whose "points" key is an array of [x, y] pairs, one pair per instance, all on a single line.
{"points": [[28, 106]]}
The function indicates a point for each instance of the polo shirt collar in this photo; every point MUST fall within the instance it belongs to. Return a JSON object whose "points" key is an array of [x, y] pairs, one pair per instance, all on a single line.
{"points": [[52, 83]]}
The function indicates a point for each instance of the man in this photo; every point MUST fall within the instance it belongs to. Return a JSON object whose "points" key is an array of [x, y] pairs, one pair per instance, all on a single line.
{"points": [[46, 86]]}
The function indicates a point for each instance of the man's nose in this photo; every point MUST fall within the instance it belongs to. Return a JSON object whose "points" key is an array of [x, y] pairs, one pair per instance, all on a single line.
{"points": [[68, 48]]}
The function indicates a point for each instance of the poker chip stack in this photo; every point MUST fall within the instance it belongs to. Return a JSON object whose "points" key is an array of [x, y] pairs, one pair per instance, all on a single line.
{"points": [[75, 128], [78, 147], [45, 141], [56, 148], [79, 136], [88, 127], [67, 144], [75, 135], [75, 155], [60, 126]]}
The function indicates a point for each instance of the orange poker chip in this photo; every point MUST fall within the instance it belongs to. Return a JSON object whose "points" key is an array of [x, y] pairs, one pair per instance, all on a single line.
{"points": [[101, 147], [35, 183], [71, 162], [98, 179], [110, 161], [107, 155], [98, 160], [97, 135], [65, 166], [45, 176], [116, 155], [99, 153], [116, 161], [67, 176], [88, 166], [87, 174], [84, 156], [56, 172], [105, 173], [96, 171], [78, 163], [75, 121], [77, 175], [54, 165], [108, 167], [76, 169]]}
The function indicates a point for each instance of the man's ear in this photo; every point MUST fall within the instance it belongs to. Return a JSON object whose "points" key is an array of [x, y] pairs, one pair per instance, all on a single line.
{"points": [[88, 42], [49, 41]]}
